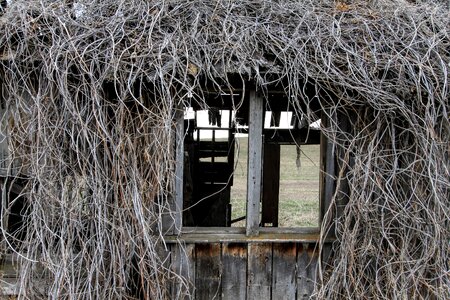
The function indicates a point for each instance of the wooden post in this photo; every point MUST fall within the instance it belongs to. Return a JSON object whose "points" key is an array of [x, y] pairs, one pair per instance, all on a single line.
{"points": [[179, 169], [254, 163], [328, 168], [172, 216]]}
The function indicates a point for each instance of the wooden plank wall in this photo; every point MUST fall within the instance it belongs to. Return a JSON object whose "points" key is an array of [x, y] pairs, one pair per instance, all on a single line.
{"points": [[263, 271]]}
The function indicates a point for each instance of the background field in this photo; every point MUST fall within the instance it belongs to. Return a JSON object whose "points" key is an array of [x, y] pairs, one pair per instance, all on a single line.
{"points": [[299, 187]]}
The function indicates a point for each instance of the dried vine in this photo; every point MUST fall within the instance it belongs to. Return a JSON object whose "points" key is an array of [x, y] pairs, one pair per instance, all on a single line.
{"points": [[99, 164]]}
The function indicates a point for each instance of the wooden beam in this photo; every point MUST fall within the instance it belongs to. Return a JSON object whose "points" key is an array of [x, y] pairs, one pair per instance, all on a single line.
{"points": [[303, 136], [254, 181], [242, 238], [240, 230]]}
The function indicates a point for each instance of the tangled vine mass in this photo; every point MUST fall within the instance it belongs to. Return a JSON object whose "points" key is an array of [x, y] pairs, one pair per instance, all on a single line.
{"points": [[98, 167]]}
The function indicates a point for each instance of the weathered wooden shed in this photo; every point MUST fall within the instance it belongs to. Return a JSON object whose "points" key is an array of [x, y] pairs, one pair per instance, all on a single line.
{"points": [[109, 190], [261, 260]]}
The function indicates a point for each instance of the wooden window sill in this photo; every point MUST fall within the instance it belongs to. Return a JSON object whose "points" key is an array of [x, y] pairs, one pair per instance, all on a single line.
{"points": [[237, 235]]}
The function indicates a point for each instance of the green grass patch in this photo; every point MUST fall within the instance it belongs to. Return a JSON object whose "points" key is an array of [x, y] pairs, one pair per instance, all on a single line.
{"points": [[299, 187]]}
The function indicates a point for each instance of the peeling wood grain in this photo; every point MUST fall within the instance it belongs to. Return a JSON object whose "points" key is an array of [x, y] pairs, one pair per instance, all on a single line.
{"points": [[284, 271], [247, 270], [242, 238], [259, 280], [234, 277], [209, 270], [306, 270], [254, 171]]}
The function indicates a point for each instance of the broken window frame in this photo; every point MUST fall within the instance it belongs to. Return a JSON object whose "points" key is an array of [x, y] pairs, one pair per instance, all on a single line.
{"points": [[253, 228]]}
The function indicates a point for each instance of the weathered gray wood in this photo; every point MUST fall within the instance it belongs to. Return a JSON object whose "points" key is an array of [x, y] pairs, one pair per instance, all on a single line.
{"points": [[179, 169], [327, 181], [256, 116], [183, 264], [302, 136], [306, 270], [242, 238], [323, 150], [271, 185], [234, 277], [259, 271], [330, 177], [284, 271], [296, 230], [172, 213], [237, 235], [208, 268]]}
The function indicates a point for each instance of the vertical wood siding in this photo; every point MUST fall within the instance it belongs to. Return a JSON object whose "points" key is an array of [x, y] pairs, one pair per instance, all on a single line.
{"points": [[209, 270], [262, 271], [234, 272], [259, 271], [284, 271]]}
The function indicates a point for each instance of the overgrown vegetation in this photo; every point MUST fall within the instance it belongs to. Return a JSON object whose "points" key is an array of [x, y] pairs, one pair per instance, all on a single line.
{"points": [[92, 88]]}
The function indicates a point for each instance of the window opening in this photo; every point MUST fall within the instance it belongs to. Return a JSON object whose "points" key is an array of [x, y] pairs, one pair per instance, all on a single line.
{"points": [[291, 172], [299, 186], [221, 190], [239, 188], [208, 167]]}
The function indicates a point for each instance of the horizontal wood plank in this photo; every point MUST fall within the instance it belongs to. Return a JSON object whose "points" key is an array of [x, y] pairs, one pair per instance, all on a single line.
{"points": [[281, 230], [242, 238]]}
